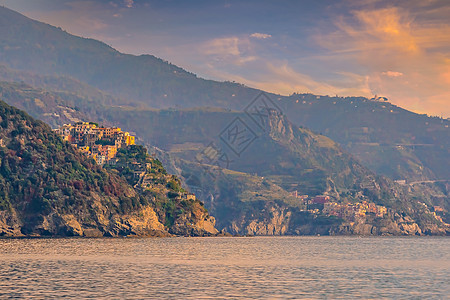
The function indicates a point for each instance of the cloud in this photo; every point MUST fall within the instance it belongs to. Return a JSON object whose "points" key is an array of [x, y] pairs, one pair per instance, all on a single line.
{"points": [[222, 46], [129, 3], [380, 40], [445, 75], [392, 74], [387, 51], [277, 76], [373, 32], [258, 35]]}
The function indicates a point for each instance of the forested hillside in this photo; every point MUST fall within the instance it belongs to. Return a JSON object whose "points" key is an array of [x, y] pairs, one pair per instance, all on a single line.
{"points": [[48, 188]]}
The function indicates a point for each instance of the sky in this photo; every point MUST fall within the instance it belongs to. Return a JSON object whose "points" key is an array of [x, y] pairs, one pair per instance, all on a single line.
{"points": [[395, 49]]}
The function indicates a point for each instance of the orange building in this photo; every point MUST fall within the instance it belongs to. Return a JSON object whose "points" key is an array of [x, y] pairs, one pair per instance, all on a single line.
{"points": [[105, 150]]}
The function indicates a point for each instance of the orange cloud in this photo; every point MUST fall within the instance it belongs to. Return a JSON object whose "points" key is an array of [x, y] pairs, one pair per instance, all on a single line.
{"points": [[445, 75], [392, 74], [129, 3], [384, 40], [222, 46], [390, 28]]}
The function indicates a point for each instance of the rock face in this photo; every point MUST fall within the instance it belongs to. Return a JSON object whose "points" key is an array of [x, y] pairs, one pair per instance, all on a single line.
{"points": [[275, 221], [47, 188], [9, 224], [196, 223], [282, 224], [143, 223]]}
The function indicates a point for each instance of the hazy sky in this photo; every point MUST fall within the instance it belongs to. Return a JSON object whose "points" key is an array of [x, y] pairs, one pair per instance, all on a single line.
{"points": [[397, 49]]}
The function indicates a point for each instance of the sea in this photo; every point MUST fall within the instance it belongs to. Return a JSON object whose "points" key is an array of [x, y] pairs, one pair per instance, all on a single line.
{"points": [[226, 268]]}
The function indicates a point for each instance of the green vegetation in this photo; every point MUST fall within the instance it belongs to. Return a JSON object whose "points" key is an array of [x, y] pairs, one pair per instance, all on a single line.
{"points": [[162, 190], [40, 173]]}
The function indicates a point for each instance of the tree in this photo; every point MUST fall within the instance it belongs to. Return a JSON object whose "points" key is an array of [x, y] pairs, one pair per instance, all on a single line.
{"points": [[5, 170]]}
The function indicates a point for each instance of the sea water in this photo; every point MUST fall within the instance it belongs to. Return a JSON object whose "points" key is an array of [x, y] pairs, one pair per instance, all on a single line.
{"points": [[225, 267]]}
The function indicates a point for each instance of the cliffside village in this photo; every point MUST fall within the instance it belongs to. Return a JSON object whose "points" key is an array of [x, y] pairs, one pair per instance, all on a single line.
{"points": [[324, 204], [100, 143], [347, 211]]}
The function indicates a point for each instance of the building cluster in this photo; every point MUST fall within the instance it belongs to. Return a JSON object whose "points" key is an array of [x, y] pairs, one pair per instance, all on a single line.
{"points": [[100, 143], [349, 211]]}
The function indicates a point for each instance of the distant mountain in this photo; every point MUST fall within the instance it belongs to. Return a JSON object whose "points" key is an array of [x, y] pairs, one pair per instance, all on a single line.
{"points": [[55, 108], [80, 75], [280, 160], [29, 45], [398, 144], [386, 138], [47, 188], [252, 195], [59, 84]]}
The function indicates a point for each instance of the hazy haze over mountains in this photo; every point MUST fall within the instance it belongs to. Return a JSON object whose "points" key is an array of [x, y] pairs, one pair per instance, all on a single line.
{"points": [[84, 79], [397, 49], [378, 133]]}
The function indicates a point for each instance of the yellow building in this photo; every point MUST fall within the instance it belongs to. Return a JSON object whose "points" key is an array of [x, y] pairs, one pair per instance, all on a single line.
{"points": [[84, 149], [130, 140]]}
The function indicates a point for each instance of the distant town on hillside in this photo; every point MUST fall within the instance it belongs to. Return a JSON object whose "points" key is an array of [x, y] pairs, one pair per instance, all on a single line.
{"points": [[99, 143]]}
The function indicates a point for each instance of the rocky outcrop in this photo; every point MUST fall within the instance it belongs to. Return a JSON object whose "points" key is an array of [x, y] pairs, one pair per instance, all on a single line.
{"points": [[386, 227], [142, 223], [9, 225], [196, 222], [282, 220], [101, 223], [271, 219], [276, 224]]}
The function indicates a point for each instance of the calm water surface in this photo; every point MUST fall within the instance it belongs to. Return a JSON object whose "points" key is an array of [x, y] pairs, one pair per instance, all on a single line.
{"points": [[204, 268]]}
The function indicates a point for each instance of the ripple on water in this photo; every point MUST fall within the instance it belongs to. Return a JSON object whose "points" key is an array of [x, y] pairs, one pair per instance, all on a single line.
{"points": [[262, 267]]}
